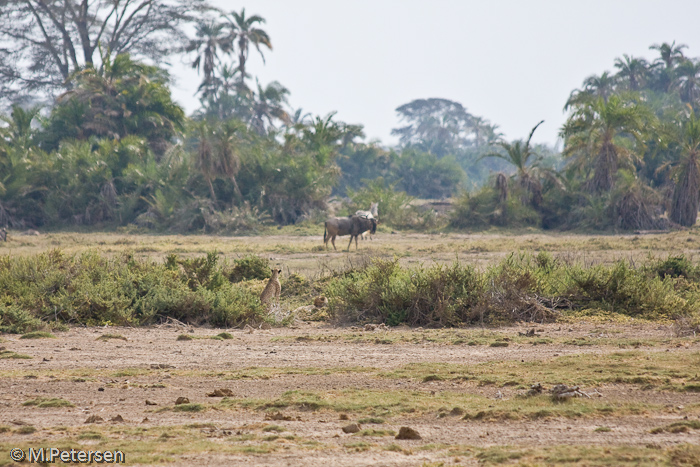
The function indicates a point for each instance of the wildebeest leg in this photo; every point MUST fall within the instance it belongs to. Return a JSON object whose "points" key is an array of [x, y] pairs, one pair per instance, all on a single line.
{"points": [[350, 243], [333, 242]]}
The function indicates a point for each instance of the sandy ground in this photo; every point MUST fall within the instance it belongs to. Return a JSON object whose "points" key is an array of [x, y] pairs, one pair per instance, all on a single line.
{"points": [[195, 365]]}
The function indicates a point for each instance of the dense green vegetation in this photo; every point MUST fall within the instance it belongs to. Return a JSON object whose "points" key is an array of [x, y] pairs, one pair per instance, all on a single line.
{"points": [[91, 289], [52, 289], [113, 148]]}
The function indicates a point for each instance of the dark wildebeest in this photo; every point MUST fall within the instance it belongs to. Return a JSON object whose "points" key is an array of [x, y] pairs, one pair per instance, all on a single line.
{"points": [[351, 225]]}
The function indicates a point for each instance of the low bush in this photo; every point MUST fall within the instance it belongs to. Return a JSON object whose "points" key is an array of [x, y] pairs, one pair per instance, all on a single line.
{"points": [[50, 290], [92, 289], [520, 288], [249, 267], [488, 207], [383, 291]]}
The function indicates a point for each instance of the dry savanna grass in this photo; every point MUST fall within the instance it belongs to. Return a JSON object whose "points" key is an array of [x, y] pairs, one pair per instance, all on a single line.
{"points": [[300, 249]]}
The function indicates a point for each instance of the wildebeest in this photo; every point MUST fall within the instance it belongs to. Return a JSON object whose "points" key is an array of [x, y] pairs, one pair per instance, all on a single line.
{"points": [[351, 225], [372, 213], [3, 234]]}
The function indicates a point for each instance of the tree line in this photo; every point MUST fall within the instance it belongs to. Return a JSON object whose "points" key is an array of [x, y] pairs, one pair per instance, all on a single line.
{"points": [[93, 136]]}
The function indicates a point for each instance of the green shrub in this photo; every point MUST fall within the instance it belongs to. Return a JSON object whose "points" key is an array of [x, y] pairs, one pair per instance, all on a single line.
{"points": [[93, 289], [625, 290], [382, 291], [676, 266], [16, 320], [484, 208], [202, 272], [521, 287], [249, 267]]}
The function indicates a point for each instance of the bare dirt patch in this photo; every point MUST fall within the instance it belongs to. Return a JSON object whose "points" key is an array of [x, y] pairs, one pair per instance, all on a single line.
{"points": [[462, 395]]}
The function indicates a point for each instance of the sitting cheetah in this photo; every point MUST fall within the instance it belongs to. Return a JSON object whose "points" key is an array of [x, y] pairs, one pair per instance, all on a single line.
{"points": [[272, 289]]}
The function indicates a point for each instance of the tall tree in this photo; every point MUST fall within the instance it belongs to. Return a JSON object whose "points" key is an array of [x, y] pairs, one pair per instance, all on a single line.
{"points": [[44, 42], [217, 153], [633, 70], [244, 32], [594, 87], [124, 97], [688, 81], [686, 175], [525, 160], [211, 37], [594, 136], [438, 126], [18, 156], [669, 53], [268, 107], [485, 133]]}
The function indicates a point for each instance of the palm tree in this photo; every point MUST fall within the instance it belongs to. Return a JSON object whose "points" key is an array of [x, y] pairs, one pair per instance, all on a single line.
{"points": [[670, 53], [686, 190], [594, 87], [217, 153], [19, 127], [211, 37], [268, 107], [19, 158], [521, 155], [634, 70], [485, 133], [124, 97], [688, 80], [244, 33], [204, 157], [593, 135]]}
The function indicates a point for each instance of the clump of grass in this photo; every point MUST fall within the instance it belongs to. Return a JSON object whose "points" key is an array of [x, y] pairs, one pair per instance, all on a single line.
{"points": [[374, 420], [25, 430], [224, 335], [683, 426], [603, 429], [373, 432], [184, 337], [396, 448], [13, 355], [498, 344], [192, 407], [45, 402], [38, 335], [275, 428], [106, 337]]}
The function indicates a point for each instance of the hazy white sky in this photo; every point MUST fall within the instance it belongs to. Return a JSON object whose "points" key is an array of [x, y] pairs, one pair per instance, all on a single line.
{"points": [[513, 62]]}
